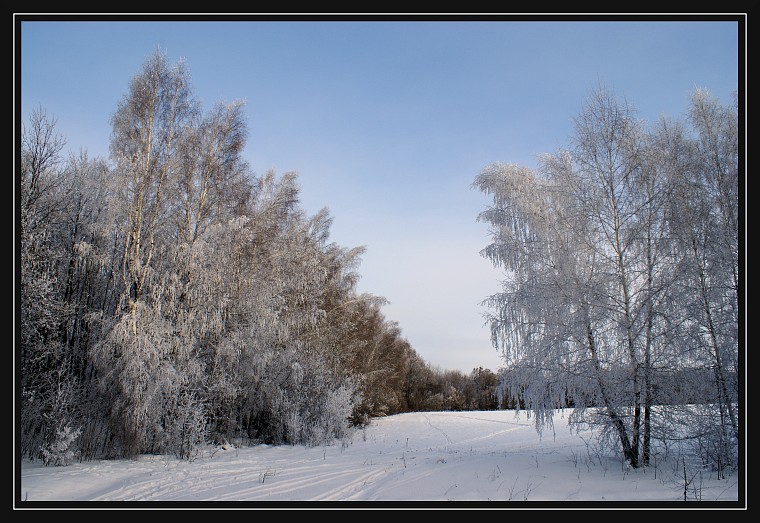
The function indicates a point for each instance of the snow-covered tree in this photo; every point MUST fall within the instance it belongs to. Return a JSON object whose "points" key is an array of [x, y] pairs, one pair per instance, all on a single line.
{"points": [[47, 393], [594, 269], [705, 224]]}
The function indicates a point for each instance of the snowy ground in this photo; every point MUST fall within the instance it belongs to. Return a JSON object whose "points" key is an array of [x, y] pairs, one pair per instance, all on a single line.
{"points": [[436, 459]]}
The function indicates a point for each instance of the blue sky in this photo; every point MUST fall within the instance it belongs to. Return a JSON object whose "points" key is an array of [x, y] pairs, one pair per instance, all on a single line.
{"points": [[388, 123]]}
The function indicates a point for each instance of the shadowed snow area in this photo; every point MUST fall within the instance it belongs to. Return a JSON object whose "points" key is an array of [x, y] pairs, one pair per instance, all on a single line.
{"points": [[427, 456]]}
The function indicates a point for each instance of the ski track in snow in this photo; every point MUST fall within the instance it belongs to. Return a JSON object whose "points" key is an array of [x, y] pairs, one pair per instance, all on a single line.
{"points": [[482, 456]]}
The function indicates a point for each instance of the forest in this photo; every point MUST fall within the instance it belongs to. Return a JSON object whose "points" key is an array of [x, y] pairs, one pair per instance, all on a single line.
{"points": [[169, 298]]}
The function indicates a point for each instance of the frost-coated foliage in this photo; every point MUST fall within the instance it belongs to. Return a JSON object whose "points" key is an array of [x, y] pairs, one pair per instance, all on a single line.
{"points": [[61, 451], [294, 400], [621, 285], [171, 298]]}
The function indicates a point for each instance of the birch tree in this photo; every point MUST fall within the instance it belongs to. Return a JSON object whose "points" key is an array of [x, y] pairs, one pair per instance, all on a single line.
{"points": [[145, 355], [550, 319], [704, 221], [608, 155], [147, 129]]}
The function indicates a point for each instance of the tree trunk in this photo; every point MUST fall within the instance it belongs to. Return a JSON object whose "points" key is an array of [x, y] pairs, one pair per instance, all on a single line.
{"points": [[629, 452]]}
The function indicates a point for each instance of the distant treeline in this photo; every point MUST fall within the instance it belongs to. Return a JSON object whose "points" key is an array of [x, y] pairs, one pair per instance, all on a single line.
{"points": [[686, 386]]}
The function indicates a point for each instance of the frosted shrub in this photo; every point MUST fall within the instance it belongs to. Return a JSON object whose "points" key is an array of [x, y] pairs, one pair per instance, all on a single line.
{"points": [[321, 416], [339, 406], [298, 402], [186, 430], [61, 450]]}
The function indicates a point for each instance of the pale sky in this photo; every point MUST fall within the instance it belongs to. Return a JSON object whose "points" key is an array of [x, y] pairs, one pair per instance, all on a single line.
{"points": [[388, 122]]}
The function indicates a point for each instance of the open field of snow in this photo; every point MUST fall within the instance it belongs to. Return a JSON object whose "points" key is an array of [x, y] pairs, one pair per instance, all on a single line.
{"points": [[437, 459]]}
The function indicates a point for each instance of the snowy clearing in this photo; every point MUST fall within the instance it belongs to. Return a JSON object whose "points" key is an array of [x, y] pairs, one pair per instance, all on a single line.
{"points": [[479, 459]]}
